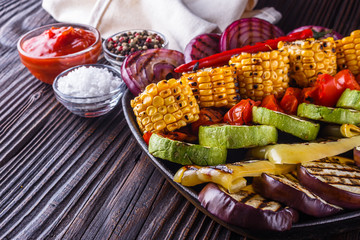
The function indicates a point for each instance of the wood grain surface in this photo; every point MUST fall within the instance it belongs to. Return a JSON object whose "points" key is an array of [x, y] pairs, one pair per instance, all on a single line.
{"points": [[67, 177]]}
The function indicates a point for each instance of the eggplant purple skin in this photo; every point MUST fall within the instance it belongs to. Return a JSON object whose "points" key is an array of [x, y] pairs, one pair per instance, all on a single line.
{"points": [[229, 210], [327, 192], [271, 188]]}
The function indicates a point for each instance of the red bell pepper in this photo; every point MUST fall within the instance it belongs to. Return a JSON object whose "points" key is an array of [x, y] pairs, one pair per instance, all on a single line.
{"points": [[271, 103], [328, 89], [146, 137], [291, 100], [223, 58], [241, 113], [346, 78]]}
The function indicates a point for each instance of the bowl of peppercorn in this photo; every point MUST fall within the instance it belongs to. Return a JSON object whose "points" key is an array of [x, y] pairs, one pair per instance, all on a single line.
{"points": [[118, 46]]}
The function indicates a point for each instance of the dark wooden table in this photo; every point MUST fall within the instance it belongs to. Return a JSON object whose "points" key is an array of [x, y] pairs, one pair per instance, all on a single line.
{"points": [[67, 177]]}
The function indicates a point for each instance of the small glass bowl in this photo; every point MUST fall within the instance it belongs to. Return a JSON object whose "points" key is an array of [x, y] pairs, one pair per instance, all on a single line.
{"points": [[117, 60], [90, 107], [47, 68]]}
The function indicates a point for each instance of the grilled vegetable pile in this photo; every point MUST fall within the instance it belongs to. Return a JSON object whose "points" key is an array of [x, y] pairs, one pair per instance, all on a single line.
{"points": [[255, 98]]}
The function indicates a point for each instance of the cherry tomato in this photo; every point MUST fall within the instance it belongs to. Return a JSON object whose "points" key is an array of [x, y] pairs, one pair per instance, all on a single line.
{"points": [[271, 103], [291, 100], [241, 113]]}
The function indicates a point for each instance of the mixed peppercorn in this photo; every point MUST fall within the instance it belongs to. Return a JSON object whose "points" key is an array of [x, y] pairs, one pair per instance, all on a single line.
{"points": [[127, 43]]}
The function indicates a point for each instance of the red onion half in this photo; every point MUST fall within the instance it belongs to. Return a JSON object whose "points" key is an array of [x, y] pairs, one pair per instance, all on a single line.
{"points": [[248, 31], [150, 66], [202, 46]]}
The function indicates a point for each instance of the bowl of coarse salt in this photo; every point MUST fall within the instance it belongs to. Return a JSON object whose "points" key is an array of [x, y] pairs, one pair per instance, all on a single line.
{"points": [[89, 90]]}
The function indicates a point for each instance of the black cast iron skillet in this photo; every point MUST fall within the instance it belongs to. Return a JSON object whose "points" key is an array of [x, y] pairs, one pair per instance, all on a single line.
{"points": [[306, 227]]}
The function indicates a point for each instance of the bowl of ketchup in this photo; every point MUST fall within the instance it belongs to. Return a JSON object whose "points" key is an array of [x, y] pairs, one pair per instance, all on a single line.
{"points": [[49, 50]]}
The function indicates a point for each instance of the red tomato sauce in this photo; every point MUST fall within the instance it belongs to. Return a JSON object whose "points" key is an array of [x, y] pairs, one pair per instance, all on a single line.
{"points": [[59, 42], [59, 48]]}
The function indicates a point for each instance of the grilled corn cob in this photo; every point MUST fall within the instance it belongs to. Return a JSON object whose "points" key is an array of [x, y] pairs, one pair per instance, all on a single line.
{"points": [[165, 106], [261, 74], [348, 52], [214, 87], [310, 57]]}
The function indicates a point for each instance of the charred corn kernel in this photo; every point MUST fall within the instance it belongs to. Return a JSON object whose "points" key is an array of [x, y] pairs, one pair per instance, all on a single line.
{"points": [[162, 110], [178, 114], [162, 85], [176, 90], [265, 75], [347, 56], [169, 118], [146, 100], [158, 101], [169, 100], [207, 92], [310, 57], [146, 120], [165, 107], [149, 127], [160, 125], [151, 110], [183, 104], [208, 84], [173, 107], [156, 117]]}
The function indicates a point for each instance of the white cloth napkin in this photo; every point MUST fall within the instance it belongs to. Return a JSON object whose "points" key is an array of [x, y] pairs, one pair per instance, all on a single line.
{"points": [[178, 20]]}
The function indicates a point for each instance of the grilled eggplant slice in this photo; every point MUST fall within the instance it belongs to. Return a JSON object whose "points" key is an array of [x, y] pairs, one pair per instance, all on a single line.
{"points": [[286, 189], [247, 209], [334, 180]]}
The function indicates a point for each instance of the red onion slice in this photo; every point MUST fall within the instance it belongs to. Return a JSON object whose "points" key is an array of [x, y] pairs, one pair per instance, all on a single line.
{"points": [[150, 66], [127, 72], [248, 31], [202, 46]]}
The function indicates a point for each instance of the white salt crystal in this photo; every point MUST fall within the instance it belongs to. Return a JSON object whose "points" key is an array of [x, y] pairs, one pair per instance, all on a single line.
{"points": [[88, 82]]}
